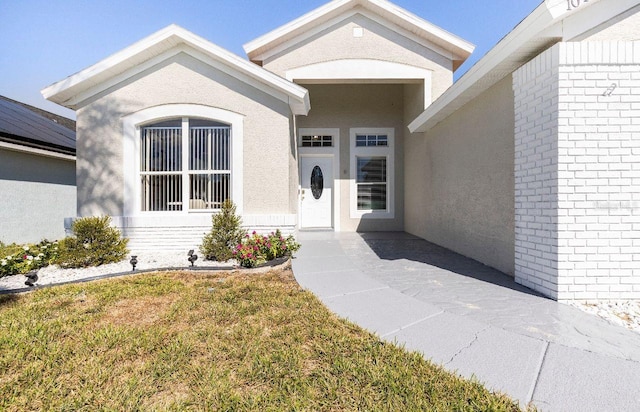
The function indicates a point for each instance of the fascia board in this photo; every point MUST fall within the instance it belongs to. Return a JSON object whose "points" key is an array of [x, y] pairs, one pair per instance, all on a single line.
{"points": [[33, 150], [421, 40], [249, 69], [465, 47], [542, 18], [301, 107], [206, 58], [77, 100], [207, 51], [329, 14], [285, 30], [336, 20], [140, 46]]}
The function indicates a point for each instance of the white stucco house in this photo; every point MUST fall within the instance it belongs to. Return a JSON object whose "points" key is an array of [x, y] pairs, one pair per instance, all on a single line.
{"points": [[348, 119]]}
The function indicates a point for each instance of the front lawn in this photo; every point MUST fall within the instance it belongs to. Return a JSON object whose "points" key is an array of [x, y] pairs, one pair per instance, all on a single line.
{"points": [[182, 340]]}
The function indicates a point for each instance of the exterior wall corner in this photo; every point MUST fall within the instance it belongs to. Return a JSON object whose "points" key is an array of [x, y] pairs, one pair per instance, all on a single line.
{"points": [[577, 179]]}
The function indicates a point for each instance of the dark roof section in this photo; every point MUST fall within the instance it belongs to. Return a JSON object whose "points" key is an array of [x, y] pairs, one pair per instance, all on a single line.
{"points": [[26, 125]]}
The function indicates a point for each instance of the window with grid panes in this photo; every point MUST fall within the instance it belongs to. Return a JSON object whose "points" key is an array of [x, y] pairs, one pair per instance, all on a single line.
{"points": [[185, 165]]}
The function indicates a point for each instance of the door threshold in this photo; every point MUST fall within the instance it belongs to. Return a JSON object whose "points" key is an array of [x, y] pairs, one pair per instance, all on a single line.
{"points": [[316, 229]]}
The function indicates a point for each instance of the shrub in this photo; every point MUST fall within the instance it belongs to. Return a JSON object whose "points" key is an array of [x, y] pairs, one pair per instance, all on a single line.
{"points": [[256, 249], [94, 243], [226, 233], [16, 259]]}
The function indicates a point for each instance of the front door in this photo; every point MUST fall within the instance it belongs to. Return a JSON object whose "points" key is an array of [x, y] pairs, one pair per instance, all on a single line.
{"points": [[316, 197]]}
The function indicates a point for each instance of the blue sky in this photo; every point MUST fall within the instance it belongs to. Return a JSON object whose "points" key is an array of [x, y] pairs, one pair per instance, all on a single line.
{"points": [[43, 41]]}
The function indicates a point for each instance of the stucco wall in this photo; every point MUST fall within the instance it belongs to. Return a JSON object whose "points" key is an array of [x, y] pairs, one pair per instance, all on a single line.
{"points": [[37, 194], [355, 106], [459, 180], [294, 179], [183, 79], [622, 28], [378, 42]]}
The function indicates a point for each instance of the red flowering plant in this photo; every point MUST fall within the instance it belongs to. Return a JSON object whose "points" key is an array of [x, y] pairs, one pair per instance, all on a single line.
{"points": [[257, 249], [247, 255]]}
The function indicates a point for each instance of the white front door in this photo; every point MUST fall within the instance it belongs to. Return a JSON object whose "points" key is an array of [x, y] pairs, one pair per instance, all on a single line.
{"points": [[316, 197]]}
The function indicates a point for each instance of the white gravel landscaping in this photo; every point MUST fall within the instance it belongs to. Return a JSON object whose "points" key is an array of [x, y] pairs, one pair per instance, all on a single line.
{"points": [[54, 274], [623, 313]]}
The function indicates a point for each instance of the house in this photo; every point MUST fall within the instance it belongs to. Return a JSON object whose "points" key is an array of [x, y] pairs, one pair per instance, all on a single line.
{"points": [[348, 119], [37, 173]]}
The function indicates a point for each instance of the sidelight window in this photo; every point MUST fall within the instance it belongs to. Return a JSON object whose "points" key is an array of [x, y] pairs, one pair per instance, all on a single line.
{"points": [[372, 160]]}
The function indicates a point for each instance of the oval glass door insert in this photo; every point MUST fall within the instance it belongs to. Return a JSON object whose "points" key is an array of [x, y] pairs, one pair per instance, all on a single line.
{"points": [[317, 182]]}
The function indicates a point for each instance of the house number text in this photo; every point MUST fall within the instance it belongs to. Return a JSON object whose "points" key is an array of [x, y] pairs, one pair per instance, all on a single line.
{"points": [[574, 4]]}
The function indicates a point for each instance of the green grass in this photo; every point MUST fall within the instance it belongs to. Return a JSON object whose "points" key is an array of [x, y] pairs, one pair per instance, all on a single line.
{"points": [[189, 341]]}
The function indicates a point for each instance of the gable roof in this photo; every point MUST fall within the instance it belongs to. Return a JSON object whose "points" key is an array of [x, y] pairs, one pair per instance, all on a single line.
{"points": [[457, 48], [75, 89], [550, 23], [24, 125]]}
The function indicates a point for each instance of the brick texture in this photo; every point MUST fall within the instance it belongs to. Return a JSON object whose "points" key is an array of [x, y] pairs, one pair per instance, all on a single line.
{"points": [[577, 171]]}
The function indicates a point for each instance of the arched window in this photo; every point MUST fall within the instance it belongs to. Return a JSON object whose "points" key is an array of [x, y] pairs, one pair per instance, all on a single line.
{"points": [[182, 158], [185, 159]]}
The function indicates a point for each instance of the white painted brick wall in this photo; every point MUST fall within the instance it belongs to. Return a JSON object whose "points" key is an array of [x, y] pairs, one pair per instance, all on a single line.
{"points": [[536, 173], [186, 232], [595, 88]]}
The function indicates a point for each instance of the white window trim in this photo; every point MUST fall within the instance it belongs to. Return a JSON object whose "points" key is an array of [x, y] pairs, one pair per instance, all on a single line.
{"points": [[380, 151], [131, 125], [333, 152]]}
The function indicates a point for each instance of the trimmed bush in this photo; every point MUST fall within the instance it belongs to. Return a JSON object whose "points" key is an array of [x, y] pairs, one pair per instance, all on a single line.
{"points": [[225, 234], [94, 243]]}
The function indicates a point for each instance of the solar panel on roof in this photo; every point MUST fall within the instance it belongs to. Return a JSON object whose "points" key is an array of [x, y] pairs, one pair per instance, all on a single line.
{"points": [[18, 122]]}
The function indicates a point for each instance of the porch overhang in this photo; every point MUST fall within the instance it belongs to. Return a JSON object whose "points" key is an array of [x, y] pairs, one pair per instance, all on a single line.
{"points": [[362, 71]]}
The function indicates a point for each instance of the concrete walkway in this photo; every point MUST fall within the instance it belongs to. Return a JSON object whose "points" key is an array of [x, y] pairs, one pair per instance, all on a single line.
{"points": [[474, 320]]}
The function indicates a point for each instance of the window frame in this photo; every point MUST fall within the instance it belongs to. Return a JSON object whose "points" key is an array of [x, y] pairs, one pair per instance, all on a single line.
{"points": [[321, 139], [386, 152], [186, 171], [132, 126]]}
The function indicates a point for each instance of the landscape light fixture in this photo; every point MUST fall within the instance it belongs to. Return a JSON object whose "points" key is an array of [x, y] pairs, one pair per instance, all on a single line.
{"points": [[192, 257], [32, 278], [134, 262]]}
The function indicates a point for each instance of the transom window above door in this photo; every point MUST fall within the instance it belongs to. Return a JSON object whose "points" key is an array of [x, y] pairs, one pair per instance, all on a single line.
{"points": [[317, 141], [185, 165], [372, 140]]}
